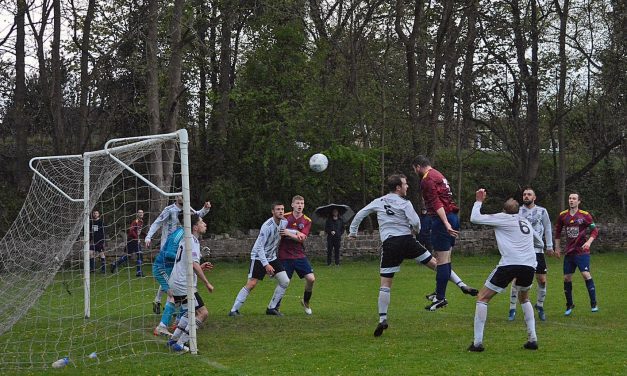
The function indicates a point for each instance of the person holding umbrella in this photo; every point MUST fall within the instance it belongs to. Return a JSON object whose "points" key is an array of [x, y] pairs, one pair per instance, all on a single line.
{"points": [[334, 228]]}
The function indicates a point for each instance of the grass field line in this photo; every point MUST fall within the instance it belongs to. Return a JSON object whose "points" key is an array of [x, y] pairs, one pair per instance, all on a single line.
{"points": [[214, 364]]}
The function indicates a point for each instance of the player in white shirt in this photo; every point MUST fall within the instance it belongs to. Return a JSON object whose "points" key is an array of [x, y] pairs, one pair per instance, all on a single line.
{"points": [[168, 222], [541, 223], [396, 217], [264, 261], [178, 285], [514, 238]]}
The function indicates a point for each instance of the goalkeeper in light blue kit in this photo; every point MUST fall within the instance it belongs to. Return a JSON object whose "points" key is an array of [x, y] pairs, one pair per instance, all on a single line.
{"points": [[161, 270], [168, 222]]}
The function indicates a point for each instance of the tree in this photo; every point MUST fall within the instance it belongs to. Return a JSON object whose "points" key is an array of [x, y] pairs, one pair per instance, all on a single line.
{"points": [[562, 11], [20, 120], [57, 76]]}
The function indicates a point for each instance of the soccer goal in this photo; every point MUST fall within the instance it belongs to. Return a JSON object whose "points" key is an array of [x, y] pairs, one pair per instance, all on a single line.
{"points": [[60, 295]]}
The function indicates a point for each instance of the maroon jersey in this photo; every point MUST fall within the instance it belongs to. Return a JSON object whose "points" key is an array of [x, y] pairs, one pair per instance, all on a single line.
{"points": [[437, 193], [135, 229], [576, 226], [290, 249]]}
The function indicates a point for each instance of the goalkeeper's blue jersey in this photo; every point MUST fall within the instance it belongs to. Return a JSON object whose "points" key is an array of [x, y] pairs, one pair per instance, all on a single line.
{"points": [[167, 254]]}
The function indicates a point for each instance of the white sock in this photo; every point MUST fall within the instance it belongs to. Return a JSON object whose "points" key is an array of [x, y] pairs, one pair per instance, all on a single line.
{"points": [[240, 299], [481, 315], [384, 303], [158, 296], [185, 336], [282, 282], [180, 328], [456, 280], [513, 297], [541, 294], [530, 321]]}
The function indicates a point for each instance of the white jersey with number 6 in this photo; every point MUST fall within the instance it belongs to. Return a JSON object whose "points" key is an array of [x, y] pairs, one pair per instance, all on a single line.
{"points": [[178, 277], [395, 214], [514, 236]]}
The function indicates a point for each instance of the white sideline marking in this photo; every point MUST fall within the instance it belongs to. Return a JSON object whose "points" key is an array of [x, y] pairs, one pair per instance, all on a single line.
{"points": [[213, 364]]}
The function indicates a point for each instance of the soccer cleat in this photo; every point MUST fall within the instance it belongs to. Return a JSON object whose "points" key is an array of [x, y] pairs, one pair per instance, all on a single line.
{"points": [[477, 348], [234, 313], [380, 328], [512, 314], [541, 314], [437, 304], [139, 274], [469, 290], [156, 307], [306, 307], [170, 343], [431, 297], [531, 345], [595, 309], [180, 349], [273, 312], [161, 331], [569, 310]]}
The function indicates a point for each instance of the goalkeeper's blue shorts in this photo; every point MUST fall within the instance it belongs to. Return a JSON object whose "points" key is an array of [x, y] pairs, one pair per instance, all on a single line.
{"points": [[162, 274]]}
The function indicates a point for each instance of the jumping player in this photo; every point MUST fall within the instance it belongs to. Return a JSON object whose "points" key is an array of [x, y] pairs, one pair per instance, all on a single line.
{"points": [[396, 217], [444, 218]]}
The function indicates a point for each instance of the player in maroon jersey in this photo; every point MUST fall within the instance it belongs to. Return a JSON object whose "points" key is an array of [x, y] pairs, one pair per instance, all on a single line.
{"points": [[577, 224], [444, 218], [292, 249], [133, 244]]}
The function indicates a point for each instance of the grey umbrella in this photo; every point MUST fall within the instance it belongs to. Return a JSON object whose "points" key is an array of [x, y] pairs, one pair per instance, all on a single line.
{"points": [[324, 212]]}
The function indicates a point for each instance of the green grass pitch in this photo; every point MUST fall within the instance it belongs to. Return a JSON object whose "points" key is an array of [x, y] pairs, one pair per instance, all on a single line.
{"points": [[337, 339]]}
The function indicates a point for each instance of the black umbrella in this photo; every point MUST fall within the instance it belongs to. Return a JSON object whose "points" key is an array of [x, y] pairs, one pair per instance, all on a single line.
{"points": [[324, 212]]}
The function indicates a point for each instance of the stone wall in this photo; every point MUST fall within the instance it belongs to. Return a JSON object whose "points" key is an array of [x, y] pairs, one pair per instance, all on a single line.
{"points": [[479, 240]]}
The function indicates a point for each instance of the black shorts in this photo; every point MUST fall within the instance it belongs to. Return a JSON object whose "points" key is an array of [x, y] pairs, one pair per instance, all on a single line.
{"points": [[98, 247], [541, 268], [399, 248], [258, 271], [182, 300], [503, 275]]}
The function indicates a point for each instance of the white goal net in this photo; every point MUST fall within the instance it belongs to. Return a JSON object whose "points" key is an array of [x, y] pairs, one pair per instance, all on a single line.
{"points": [[57, 301]]}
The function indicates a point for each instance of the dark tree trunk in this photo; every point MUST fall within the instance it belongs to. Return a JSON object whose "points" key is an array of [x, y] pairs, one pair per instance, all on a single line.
{"points": [[85, 80], [19, 114], [562, 11], [57, 92]]}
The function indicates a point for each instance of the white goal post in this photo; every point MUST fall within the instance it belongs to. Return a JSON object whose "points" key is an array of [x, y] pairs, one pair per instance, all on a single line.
{"points": [[40, 252]]}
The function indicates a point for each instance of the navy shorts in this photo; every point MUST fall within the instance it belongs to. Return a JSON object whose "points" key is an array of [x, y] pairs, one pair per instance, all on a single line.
{"points": [[133, 246], [441, 240], [572, 262], [301, 266]]}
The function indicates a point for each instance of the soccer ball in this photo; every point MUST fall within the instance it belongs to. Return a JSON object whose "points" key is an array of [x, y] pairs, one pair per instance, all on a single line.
{"points": [[318, 162]]}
